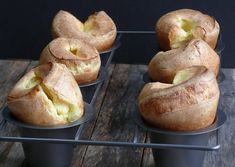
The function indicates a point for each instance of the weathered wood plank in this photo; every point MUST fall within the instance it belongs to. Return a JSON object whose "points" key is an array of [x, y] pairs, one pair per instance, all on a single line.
{"points": [[15, 157], [11, 71], [32, 65], [226, 155], [148, 160], [80, 151], [115, 121]]}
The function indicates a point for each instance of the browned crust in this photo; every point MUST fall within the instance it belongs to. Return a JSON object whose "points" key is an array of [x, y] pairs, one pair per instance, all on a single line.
{"points": [[166, 27], [34, 106], [66, 25], [164, 65], [190, 105], [58, 50], [31, 109]]}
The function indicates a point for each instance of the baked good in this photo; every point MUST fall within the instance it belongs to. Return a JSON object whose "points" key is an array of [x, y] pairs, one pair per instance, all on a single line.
{"points": [[190, 103], [98, 30], [82, 60], [176, 28], [164, 65], [47, 95]]}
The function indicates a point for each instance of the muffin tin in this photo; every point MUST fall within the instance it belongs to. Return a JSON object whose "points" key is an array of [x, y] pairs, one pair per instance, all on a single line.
{"points": [[90, 93], [46, 154]]}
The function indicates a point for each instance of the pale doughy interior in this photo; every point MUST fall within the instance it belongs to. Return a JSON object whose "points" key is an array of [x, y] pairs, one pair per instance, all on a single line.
{"points": [[60, 107], [186, 33], [184, 75]]}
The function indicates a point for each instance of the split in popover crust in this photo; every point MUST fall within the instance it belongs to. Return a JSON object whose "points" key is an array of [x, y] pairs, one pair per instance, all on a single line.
{"points": [[47, 95], [190, 103], [99, 30], [164, 65], [82, 60], [176, 28]]}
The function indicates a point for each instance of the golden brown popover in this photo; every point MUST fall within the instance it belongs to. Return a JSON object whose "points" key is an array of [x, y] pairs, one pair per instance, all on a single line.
{"points": [[98, 30], [176, 28], [47, 95], [190, 103], [164, 65], [80, 58]]}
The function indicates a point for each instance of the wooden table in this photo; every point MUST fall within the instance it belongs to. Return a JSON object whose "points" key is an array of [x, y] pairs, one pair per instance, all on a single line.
{"points": [[113, 121]]}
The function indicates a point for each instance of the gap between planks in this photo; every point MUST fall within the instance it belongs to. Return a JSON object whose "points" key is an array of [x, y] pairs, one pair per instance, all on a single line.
{"points": [[89, 128], [119, 91]]}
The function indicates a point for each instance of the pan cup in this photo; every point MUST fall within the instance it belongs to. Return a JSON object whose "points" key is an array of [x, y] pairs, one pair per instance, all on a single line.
{"points": [[107, 55], [88, 90], [180, 157], [38, 154]]}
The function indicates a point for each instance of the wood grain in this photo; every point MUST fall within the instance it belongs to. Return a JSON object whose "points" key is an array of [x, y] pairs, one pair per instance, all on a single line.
{"points": [[80, 151], [148, 160], [15, 156], [116, 101], [225, 157], [11, 71], [32, 64], [115, 121]]}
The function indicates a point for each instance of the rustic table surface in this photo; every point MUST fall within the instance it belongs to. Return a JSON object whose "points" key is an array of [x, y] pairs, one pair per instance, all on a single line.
{"points": [[116, 101]]}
